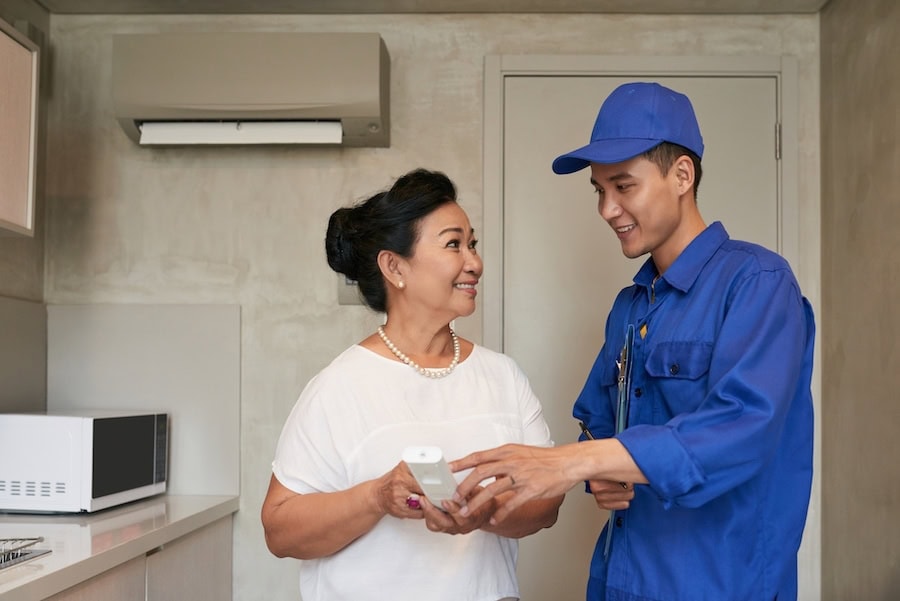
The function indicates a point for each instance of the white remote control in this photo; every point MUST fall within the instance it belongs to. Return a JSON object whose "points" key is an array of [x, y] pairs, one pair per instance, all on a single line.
{"points": [[432, 473]]}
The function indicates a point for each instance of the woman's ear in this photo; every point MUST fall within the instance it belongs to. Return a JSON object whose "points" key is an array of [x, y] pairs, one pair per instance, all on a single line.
{"points": [[391, 267]]}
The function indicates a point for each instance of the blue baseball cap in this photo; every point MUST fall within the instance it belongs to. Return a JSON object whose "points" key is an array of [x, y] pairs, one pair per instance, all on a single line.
{"points": [[634, 118]]}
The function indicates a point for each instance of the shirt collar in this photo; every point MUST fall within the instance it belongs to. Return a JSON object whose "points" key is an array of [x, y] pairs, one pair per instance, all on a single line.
{"points": [[684, 271]]}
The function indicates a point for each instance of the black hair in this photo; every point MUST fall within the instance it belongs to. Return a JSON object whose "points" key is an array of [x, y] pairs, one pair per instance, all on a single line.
{"points": [[387, 221], [665, 155]]}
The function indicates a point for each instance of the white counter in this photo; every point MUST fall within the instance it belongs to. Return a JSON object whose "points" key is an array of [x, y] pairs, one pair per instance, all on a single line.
{"points": [[85, 545]]}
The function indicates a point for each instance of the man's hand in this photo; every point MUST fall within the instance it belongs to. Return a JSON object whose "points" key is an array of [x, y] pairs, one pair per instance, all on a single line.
{"points": [[612, 495], [529, 472]]}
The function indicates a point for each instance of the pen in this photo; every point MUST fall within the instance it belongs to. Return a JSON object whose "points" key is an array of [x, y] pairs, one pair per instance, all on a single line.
{"points": [[587, 433]]}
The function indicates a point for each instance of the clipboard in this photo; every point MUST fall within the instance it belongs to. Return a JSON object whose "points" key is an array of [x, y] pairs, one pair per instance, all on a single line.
{"points": [[623, 404]]}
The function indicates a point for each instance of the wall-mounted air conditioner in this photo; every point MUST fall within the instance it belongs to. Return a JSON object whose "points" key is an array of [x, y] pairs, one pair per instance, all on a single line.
{"points": [[252, 88]]}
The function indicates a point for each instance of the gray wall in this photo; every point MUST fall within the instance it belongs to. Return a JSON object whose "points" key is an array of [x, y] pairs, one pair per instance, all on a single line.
{"points": [[237, 226], [23, 355], [128, 224], [859, 320]]}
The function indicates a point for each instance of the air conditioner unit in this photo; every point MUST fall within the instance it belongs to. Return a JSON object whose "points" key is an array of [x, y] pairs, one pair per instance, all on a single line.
{"points": [[252, 88]]}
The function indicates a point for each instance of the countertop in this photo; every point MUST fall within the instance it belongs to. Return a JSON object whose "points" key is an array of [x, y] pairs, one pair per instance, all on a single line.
{"points": [[85, 545]]}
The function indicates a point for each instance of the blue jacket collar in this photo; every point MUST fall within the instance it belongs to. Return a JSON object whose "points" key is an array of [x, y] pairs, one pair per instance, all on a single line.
{"points": [[684, 271]]}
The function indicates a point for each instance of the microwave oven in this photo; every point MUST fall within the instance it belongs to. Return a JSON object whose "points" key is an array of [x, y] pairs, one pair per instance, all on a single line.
{"points": [[81, 461]]}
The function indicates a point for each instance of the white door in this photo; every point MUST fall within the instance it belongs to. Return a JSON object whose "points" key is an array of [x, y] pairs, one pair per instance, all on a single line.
{"points": [[562, 266]]}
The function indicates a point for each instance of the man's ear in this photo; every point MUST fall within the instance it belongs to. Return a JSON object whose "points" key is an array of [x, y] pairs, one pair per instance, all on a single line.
{"points": [[391, 267], [684, 173]]}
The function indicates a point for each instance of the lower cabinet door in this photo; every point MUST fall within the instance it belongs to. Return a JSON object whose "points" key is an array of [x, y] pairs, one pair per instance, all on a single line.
{"points": [[122, 583], [195, 567]]}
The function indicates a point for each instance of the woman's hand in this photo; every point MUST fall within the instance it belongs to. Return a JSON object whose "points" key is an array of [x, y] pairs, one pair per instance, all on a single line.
{"points": [[451, 522], [395, 491], [612, 495]]}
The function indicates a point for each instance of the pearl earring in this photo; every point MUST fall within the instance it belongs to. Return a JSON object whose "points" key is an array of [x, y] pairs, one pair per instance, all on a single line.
{"points": [[401, 285]]}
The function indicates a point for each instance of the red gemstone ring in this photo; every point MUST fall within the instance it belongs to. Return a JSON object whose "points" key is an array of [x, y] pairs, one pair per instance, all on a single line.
{"points": [[413, 502]]}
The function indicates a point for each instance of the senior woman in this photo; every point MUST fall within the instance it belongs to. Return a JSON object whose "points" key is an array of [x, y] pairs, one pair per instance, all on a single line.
{"points": [[339, 497]]}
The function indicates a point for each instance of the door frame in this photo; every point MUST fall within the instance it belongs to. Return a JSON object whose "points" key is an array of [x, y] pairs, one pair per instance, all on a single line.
{"points": [[500, 66]]}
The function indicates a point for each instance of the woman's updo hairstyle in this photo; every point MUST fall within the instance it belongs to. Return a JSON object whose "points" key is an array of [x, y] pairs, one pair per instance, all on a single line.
{"points": [[387, 221]]}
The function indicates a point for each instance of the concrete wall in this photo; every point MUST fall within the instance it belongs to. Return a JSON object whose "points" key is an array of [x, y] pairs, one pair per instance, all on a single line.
{"points": [[23, 355], [232, 225], [859, 321]]}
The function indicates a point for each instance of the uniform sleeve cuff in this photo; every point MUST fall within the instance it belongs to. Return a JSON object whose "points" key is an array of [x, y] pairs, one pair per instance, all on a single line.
{"points": [[666, 463]]}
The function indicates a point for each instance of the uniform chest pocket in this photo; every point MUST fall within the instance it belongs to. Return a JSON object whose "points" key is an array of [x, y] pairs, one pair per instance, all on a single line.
{"points": [[681, 371], [681, 360]]}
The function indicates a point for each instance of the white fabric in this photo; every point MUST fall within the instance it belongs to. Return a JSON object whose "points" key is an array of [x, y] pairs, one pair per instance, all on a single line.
{"points": [[351, 424]]}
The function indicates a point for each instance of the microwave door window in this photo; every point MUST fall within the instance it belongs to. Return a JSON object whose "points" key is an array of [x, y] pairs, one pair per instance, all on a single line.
{"points": [[124, 454]]}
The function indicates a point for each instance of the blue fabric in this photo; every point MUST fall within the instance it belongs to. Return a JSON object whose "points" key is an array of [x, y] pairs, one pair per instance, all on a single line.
{"points": [[720, 423], [634, 118]]}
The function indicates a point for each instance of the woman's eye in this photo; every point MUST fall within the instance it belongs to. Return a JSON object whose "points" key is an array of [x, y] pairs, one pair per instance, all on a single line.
{"points": [[453, 244]]}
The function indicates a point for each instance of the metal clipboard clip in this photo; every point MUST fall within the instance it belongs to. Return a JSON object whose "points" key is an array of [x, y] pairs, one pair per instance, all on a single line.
{"points": [[623, 404]]}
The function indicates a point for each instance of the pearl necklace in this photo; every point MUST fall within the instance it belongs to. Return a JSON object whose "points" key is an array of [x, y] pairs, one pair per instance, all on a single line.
{"points": [[425, 371]]}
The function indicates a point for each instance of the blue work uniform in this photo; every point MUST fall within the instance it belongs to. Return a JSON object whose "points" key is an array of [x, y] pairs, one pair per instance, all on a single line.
{"points": [[720, 422]]}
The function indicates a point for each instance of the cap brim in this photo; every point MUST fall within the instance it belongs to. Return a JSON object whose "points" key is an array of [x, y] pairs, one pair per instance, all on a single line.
{"points": [[602, 151]]}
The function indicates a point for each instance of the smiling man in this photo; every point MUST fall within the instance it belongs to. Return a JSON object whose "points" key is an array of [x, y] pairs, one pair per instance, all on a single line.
{"points": [[698, 407]]}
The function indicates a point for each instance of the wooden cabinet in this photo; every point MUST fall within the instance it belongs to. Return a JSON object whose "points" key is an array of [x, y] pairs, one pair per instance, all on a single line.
{"points": [[18, 130], [122, 583], [195, 567], [165, 548]]}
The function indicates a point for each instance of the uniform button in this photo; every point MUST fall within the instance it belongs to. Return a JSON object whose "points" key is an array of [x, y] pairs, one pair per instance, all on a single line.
{"points": [[618, 522], [638, 392], [674, 369]]}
